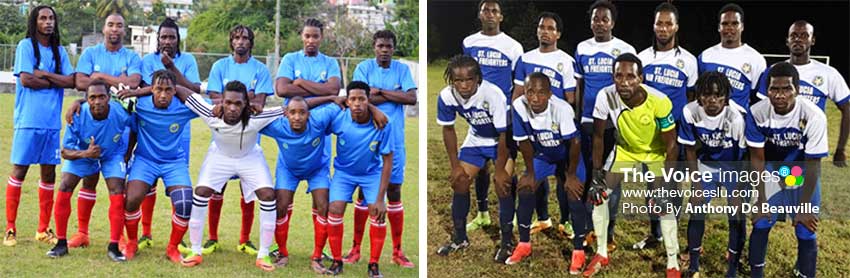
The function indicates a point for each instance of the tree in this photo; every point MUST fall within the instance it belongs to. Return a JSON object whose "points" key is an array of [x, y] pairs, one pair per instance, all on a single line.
{"points": [[14, 26], [107, 7], [405, 25]]}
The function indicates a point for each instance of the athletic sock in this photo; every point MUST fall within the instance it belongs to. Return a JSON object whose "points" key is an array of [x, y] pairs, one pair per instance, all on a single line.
{"points": [[460, 208], [670, 235], [147, 211], [523, 215], [507, 210], [696, 230], [482, 186], [131, 221], [45, 205], [395, 215], [320, 234], [13, 198], [335, 230], [116, 216], [758, 250], [807, 256], [268, 213], [247, 220], [578, 215], [600, 225], [541, 199], [361, 214], [563, 204], [196, 222], [215, 214], [377, 235], [62, 212], [178, 230], [85, 203]]}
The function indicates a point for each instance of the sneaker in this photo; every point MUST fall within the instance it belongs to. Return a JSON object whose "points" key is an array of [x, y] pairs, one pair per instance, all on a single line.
{"points": [[590, 239], [504, 252], [184, 249], [192, 260], [673, 273], [114, 254], [145, 242], [374, 272], [47, 237], [647, 243], [577, 262], [58, 251], [401, 260], [452, 247], [247, 248], [79, 240], [210, 246], [595, 265], [265, 263], [9, 239], [353, 255], [539, 226], [280, 261], [566, 230], [326, 257], [130, 249], [319, 267], [122, 242], [522, 250], [612, 245], [173, 255], [336, 268], [480, 221]]}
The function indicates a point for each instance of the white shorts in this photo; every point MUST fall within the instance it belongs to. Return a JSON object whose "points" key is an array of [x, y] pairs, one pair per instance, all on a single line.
{"points": [[251, 169]]}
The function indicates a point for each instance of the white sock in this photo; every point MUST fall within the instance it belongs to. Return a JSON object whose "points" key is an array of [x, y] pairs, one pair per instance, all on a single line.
{"points": [[600, 227], [671, 240], [268, 216], [196, 222]]}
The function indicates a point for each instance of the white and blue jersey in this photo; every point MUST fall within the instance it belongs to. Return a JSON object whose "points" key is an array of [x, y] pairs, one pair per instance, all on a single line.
{"points": [[396, 78], [595, 64], [186, 64], [548, 132], [795, 136], [31, 104], [721, 137], [672, 72], [301, 154], [253, 74], [742, 66], [818, 82], [360, 147], [497, 55], [159, 130], [557, 65], [99, 59], [485, 111]]}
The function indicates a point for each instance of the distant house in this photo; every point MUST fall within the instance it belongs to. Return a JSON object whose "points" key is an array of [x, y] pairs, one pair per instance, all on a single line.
{"points": [[143, 38], [173, 8]]}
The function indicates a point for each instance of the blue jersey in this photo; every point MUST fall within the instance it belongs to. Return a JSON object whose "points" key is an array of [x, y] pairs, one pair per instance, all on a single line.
{"points": [[185, 63], [396, 78], [595, 64], [795, 136], [742, 66], [360, 147], [319, 68], [557, 65], [107, 132], [548, 131], [485, 111], [497, 56], [302, 153], [159, 130], [253, 74], [721, 137], [98, 59], [38, 108], [672, 72], [818, 82]]}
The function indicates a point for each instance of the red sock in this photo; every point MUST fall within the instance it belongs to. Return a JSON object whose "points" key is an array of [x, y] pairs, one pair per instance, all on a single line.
{"points": [[281, 232], [131, 221], [361, 214], [85, 203], [13, 198], [45, 205], [320, 234], [395, 214], [335, 229], [215, 214], [247, 220], [116, 217], [377, 235], [178, 230], [62, 211], [147, 211]]}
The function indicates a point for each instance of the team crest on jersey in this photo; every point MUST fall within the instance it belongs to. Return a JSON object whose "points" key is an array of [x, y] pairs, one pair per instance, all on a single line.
{"points": [[555, 127], [254, 83], [316, 142], [116, 137], [297, 73], [225, 81], [173, 128], [560, 66], [803, 125], [341, 142], [373, 146], [818, 80], [645, 120], [615, 52], [746, 68], [123, 69], [96, 67], [323, 75], [486, 105], [40, 65], [285, 146], [680, 64]]}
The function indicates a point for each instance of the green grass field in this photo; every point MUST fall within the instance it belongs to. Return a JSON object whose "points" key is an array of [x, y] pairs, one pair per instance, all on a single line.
{"points": [[28, 259], [547, 261]]}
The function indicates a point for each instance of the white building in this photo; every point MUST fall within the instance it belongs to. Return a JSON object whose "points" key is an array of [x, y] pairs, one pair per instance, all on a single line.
{"points": [[173, 8], [143, 38]]}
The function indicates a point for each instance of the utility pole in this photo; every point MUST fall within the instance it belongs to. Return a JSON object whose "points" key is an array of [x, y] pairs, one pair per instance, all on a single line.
{"points": [[276, 38]]}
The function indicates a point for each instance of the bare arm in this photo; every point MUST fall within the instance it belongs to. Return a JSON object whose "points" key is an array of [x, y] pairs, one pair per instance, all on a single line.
{"points": [[669, 138], [519, 90], [58, 80], [598, 142], [131, 145], [330, 88], [579, 97], [757, 163], [528, 155], [406, 98], [132, 80], [215, 97], [82, 81], [33, 82], [93, 151], [571, 97], [839, 159], [183, 93], [283, 87], [450, 142], [181, 79]]}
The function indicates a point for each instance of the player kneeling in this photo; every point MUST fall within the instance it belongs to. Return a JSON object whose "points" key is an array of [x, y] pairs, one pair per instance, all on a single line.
{"points": [[234, 152]]}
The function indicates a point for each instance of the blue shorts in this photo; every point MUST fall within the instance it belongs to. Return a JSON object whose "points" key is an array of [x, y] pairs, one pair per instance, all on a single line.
{"points": [[343, 185], [186, 144], [730, 187], [399, 161], [173, 173], [543, 169], [319, 179], [35, 146], [477, 156], [112, 167], [790, 197]]}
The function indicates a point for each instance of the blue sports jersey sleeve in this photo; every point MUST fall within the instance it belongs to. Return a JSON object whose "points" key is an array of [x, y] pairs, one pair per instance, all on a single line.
{"points": [[519, 71], [407, 82], [519, 127], [755, 138], [214, 81], [148, 69], [85, 65], [191, 72], [67, 69], [386, 140], [361, 72], [274, 129], [264, 82], [287, 67], [445, 114], [579, 71], [325, 114], [762, 86], [23, 58], [71, 139], [135, 64], [686, 132], [333, 68]]}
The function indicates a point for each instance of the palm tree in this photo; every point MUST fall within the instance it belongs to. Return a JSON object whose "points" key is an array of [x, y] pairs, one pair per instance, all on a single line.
{"points": [[107, 7]]}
